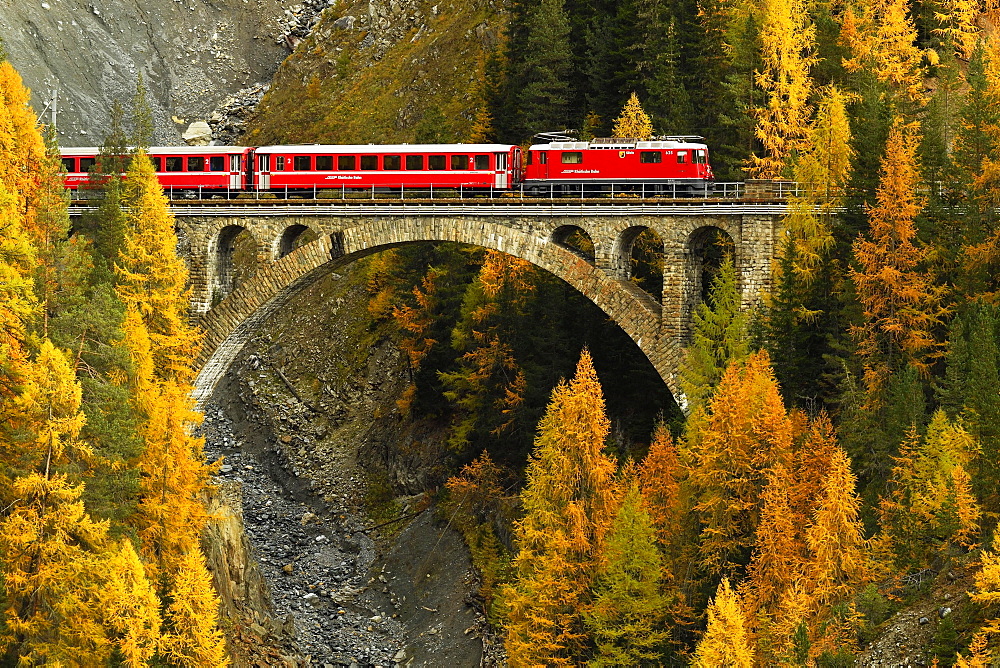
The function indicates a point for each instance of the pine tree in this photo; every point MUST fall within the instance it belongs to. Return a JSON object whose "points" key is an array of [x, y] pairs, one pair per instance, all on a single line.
{"points": [[788, 51], [569, 503], [542, 78], [633, 122], [726, 642], [627, 617], [718, 338], [972, 374]]}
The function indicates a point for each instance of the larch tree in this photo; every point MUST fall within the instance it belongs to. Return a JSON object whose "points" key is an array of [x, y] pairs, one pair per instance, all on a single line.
{"points": [[838, 561], [726, 642], [633, 122], [882, 41], [569, 502], [788, 43], [957, 20], [191, 621], [171, 511], [746, 433], [660, 475], [930, 507], [901, 306], [627, 618]]}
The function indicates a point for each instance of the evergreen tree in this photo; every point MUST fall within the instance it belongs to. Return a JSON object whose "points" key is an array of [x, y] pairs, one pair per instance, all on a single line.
{"points": [[627, 617], [542, 78], [569, 503], [969, 391], [718, 338], [660, 65]]}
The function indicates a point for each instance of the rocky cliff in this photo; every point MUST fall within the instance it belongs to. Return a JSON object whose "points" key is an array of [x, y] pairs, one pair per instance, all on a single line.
{"points": [[192, 54]]}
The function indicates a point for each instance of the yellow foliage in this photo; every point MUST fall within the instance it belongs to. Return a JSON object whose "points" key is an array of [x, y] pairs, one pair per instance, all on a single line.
{"points": [[788, 45], [883, 40], [747, 432], [726, 643], [901, 306], [958, 21], [192, 635], [823, 172], [633, 122], [569, 502]]}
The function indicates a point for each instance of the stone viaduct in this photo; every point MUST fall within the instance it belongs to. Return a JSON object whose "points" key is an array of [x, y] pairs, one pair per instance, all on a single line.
{"points": [[536, 234]]}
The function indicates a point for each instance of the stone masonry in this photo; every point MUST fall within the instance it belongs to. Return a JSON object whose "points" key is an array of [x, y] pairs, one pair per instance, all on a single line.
{"points": [[659, 329]]}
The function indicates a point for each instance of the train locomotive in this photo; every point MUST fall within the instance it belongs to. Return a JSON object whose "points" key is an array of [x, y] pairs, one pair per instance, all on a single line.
{"points": [[560, 166]]}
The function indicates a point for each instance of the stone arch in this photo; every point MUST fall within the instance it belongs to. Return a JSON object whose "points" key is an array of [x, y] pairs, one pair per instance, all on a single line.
{"points": [[705, 250], [291, 238], [221, 251], [622, 256], [576, 239], [229, 325]]}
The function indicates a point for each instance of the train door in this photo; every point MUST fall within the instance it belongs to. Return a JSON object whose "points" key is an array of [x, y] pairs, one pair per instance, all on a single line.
{"points": [[235, 180], [500, 171], [263, 171]]}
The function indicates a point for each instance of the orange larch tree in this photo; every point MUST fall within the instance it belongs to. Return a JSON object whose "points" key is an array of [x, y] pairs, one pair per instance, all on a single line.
{"points": [[901, 306], [746, 433], [569, 502]]}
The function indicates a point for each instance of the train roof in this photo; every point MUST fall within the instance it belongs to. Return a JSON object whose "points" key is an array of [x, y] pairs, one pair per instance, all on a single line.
{"points": [[74, 151], [616, 144], [386, 148]]}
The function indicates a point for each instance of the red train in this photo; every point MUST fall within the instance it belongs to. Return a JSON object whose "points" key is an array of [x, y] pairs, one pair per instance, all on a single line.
{"points": [[673, 166]]}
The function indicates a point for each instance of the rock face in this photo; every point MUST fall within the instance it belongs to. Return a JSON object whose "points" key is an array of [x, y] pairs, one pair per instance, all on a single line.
{"points": [[192, 54]]}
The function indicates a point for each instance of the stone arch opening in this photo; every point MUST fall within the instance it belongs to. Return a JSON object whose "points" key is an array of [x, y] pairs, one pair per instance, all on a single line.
{"points": [[235, 260], [294, 236], [638, 314], [707, 249], [640, 256], [576, 239]]}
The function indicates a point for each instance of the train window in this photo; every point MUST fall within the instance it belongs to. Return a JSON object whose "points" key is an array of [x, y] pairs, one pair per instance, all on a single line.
{"points": [[650, 156], [572, 157], [175, 163], [302, 163], [157, 163], [682, 157], [530, 154], [69, 164], [459, 162], [390, 162], [324, 163], [264, 162], [217, 163], [279, 162], [415, 162], [347, 163], [543, 158], [699, 157], [196, 164], [436, 162], [369, 162], [482, 162]]}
